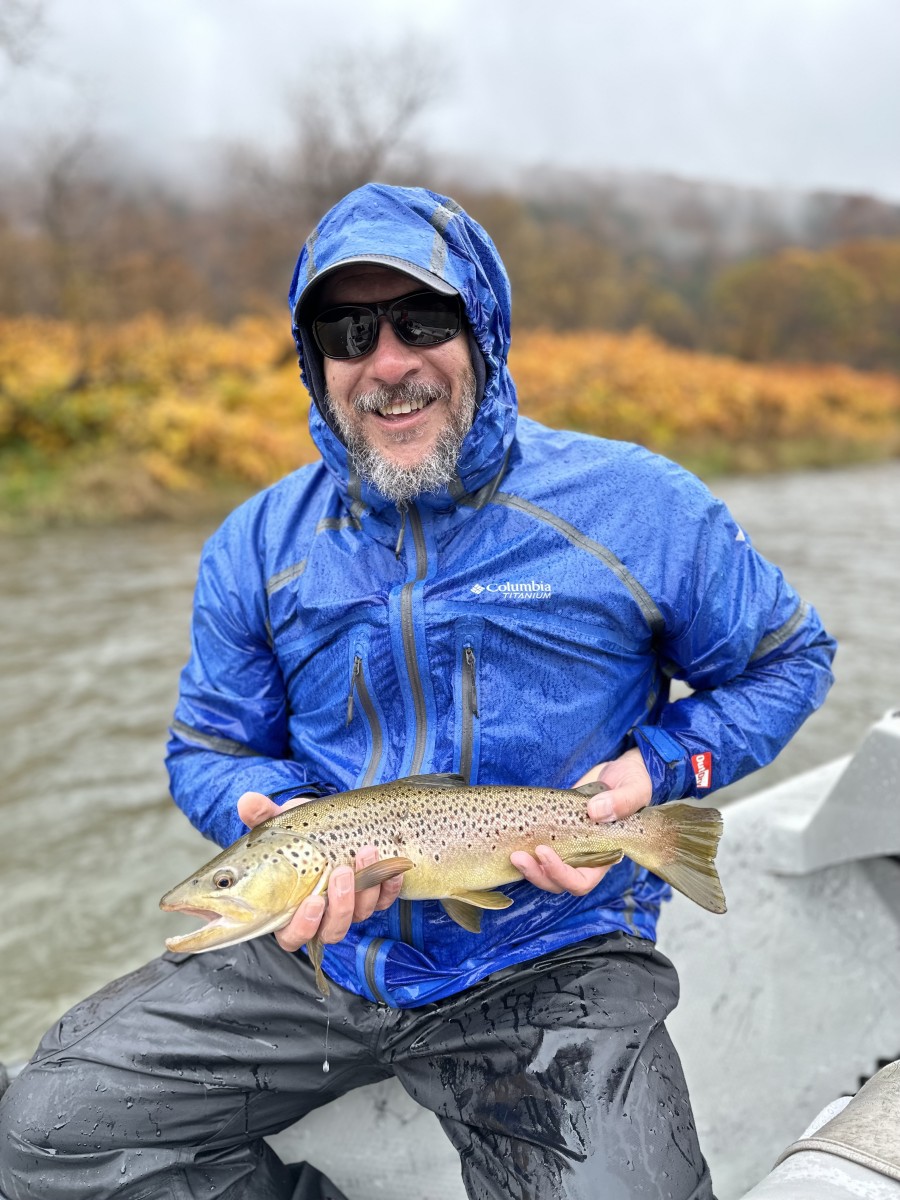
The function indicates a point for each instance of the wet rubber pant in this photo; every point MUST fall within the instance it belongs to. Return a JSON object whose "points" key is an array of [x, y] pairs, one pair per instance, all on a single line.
{"points": [[554, 1080]]}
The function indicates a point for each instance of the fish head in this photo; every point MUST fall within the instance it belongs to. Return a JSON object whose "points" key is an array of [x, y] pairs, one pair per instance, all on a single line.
{"points": [[253, 887]]}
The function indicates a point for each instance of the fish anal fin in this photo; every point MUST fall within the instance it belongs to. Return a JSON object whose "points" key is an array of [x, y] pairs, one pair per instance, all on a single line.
{"points": [[595, 858], [378, 872], [483, 899]]}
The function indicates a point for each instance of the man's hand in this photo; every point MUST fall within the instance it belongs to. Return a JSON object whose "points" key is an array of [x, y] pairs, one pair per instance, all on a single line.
{"points": [[332, 920], [630, 790]]}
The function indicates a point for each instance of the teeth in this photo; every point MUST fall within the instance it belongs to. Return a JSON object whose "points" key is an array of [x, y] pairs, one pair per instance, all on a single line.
{"points": [[398, 408]]}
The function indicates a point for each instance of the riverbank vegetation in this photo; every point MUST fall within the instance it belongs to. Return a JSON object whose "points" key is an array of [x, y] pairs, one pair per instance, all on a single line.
{"points": [[156, 417]]}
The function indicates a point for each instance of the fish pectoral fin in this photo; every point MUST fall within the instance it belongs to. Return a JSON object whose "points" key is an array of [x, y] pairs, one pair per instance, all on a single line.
{"points": [[595, 858], [450, 779], [314, 949], [378, 872], [592, 789], [465, 907]]}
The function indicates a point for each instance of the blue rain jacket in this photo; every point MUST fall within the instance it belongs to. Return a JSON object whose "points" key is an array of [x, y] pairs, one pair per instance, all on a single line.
{"points": [[528, 630]]}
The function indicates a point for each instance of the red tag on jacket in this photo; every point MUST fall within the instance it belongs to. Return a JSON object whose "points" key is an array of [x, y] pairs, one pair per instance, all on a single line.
{"points": [[702, 764]]}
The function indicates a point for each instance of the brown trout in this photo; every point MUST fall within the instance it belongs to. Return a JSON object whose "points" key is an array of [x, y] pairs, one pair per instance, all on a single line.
{"points": [[450, 842]]}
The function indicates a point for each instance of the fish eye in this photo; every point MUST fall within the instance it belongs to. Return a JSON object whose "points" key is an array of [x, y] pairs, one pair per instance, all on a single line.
{"points": [[223, 879]]}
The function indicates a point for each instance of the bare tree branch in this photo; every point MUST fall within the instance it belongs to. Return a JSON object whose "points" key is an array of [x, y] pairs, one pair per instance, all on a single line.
{"points": [[356, 119], [21, 30]]}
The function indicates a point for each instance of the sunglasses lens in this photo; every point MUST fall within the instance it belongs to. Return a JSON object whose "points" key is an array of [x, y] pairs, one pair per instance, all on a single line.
{"points": [[423, 319], [426, 319], [345, 332]]}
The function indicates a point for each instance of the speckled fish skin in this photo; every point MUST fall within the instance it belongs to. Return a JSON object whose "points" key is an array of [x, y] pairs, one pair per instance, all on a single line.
{"points": [[452, 843]]}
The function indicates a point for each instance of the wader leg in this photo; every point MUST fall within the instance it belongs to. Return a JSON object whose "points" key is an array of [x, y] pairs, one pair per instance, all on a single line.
{"points": [[164, 1083], [557, 1078]]}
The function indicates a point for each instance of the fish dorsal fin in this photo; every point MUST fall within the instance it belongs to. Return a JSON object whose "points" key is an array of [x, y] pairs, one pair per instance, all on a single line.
{"points": [[464, 907], [592, 789], [449, 780]]}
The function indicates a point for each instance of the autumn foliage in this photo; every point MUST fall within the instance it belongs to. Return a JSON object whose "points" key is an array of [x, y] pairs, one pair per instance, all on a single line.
{"points": [[123, 418]]}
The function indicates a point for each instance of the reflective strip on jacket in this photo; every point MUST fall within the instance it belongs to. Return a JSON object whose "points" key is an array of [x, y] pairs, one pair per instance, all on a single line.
{"points": [[527, 630]]}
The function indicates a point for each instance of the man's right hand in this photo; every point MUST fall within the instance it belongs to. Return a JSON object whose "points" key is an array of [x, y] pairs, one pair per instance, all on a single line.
{"points": [[330, 920]]}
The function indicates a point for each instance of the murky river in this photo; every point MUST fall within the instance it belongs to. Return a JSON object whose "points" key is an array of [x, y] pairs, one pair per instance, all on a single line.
{"points": [[94, 630]]}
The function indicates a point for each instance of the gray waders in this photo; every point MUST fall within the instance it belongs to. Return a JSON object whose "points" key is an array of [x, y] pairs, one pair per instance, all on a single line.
{"points": [[554, 1080]]}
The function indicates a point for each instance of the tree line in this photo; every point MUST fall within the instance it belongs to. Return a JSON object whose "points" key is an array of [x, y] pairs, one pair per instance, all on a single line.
{"points": [[84, 238]]}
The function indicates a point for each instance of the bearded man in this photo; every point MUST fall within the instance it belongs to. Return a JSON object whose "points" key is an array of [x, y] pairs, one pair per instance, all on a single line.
{"points": [[450, 589]]}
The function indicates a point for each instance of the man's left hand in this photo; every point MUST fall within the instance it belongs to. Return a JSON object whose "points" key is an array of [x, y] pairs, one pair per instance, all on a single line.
{"points": [[630, 790]]}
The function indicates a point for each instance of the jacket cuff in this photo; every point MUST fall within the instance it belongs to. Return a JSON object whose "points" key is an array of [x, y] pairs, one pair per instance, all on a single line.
{"points": [[667, 762]]}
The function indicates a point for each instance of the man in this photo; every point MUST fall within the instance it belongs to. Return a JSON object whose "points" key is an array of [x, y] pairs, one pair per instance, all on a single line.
{"points": [[449, 589]]}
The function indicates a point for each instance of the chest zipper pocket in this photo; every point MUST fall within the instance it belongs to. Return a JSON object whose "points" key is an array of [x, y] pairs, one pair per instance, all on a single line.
{"points": [[359, 688], [470, 717]]}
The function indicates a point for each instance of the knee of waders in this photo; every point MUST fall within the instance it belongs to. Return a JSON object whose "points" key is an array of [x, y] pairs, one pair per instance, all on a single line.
{"points": [[39, 1142]]}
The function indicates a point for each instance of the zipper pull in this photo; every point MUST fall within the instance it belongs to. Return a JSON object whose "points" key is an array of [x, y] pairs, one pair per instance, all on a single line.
{"points": [[398, 549], [469, 654], [357, 667]]}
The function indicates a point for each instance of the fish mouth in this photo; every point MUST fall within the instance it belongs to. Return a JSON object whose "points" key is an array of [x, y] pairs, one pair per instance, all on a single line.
{"points": [[222, 928], [209, 913]]}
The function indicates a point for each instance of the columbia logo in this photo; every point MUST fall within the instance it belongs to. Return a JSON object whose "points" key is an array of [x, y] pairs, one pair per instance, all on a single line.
{"points": [[530, 589]]}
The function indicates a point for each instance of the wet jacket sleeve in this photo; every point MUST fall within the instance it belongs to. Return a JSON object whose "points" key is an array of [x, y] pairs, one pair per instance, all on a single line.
{"points": [[230, 731], [754, 653]]}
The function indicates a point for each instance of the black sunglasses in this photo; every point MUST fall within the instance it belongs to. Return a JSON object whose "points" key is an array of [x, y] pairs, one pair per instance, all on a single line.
{"points": [[422, 319]]}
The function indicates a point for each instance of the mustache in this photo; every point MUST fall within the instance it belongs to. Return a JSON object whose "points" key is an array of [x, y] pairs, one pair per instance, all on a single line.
{"points": [[410, 391]]}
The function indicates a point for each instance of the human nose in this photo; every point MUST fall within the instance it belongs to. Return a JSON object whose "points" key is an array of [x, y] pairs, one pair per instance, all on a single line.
{"points": [[392, 359]]}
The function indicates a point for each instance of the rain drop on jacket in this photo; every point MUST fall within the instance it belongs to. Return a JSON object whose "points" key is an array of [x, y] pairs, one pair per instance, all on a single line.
{"points": [[527, 631]]}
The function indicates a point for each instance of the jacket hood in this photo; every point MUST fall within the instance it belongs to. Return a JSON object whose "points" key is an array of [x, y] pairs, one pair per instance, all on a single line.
{"points": [[432, 238]]}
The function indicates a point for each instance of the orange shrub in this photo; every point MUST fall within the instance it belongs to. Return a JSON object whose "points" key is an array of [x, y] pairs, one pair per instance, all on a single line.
{"points": [[188, 403]]}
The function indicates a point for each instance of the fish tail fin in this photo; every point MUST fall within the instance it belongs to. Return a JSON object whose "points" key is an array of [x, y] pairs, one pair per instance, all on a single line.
{"points": [[689, 836]]}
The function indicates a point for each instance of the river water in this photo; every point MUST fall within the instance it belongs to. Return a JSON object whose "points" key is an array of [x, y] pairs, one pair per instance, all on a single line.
{"points": [[94, 630]]}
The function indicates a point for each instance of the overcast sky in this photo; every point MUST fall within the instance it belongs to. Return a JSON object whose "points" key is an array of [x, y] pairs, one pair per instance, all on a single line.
{"points": [[783, 93]]}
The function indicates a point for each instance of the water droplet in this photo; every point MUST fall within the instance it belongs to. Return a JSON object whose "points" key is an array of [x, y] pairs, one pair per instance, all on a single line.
{"points": [[326, 1066]]}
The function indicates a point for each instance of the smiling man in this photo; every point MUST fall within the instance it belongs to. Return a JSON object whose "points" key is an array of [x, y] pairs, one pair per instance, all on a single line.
{"points": [[401, 409], [452, 588]]}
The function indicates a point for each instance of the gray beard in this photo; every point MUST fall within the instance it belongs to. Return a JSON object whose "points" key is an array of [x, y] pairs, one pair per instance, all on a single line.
{"points": [[433, 472]]}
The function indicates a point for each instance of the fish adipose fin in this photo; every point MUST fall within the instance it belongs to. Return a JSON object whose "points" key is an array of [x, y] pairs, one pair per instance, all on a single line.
{"points": [[690, 840], [588, 859], [465, 907], [592, 789], [378, 872]]}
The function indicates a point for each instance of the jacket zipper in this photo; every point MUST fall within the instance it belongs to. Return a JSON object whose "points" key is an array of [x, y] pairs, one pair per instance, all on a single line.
{"points": [[409, 641], [408, 635], [359, 687], [469, 712]]}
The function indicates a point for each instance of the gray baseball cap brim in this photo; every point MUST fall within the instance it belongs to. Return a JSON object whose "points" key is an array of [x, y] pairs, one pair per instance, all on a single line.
{"points": [[434, 282]]}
